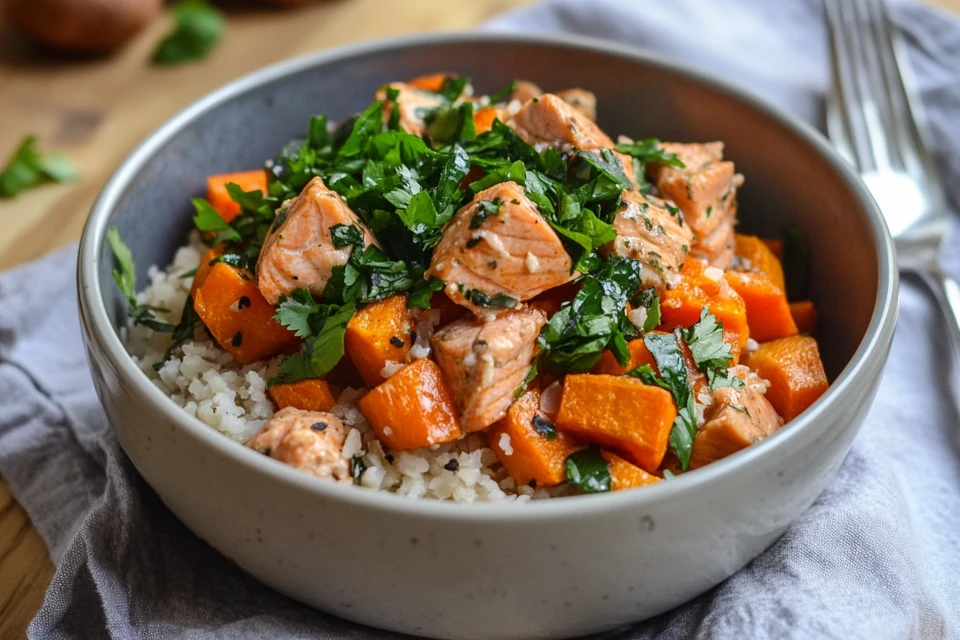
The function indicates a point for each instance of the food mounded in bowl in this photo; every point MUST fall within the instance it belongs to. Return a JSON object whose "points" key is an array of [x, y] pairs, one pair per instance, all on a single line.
{"points": [[479, 297], [551, 567]]}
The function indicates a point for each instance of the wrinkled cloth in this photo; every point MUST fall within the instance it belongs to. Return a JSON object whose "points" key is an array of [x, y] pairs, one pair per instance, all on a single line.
{"points": [[877, 556]]}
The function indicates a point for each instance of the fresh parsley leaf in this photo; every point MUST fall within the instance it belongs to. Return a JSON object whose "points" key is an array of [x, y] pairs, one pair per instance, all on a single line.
{"points": [[295, 312], [574, 338], [196, 31], [126, 278], [365, 127], [344, 235], [423, 291], [649, 150], [182, 332], [208, 220], [503, 94], [531, 376], [319, 354], [608, 164], [496, 301], [587, 470], [454, 171], [318, 132], [653, 315], [420, 215], [453, 87], [705, 339], [452, 124], [27, 168], [719, 378], [357, 467], [665, 349]]}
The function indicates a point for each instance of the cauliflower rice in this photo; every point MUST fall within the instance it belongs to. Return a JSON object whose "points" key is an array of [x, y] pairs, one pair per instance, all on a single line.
{"points": [[209, 384]]}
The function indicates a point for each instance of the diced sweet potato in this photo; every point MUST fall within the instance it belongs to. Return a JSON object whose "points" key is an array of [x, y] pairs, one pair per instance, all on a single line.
{"points": [[639, 354], [620, 413], [526, 451], [309, 395], [793, 367], [206, 263], [432, 82], [483, 118], [805, 316], [768, 312], [412, 408], [681, 305], [239, 318], [220, 199], [758, 257], [624, 475], [377, 334]]}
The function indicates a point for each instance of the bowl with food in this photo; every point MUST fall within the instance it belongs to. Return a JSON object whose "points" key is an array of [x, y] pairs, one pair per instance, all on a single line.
{"points": [[482, 352]]}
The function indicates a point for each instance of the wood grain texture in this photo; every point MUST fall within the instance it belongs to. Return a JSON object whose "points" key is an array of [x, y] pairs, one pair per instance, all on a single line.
{"points": [[98, 110]]}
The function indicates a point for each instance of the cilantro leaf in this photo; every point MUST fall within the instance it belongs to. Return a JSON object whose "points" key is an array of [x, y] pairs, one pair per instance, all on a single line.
{"points": [[574, 338], [705, 339], [208, 220], [454, 171], [719, 378], [368, 123], [665, 349], [649, 150], [196, 31], [587, 470], [126, 278], [344, 235], [319, 354], [608, 164], [294, 312], [28, 168]]}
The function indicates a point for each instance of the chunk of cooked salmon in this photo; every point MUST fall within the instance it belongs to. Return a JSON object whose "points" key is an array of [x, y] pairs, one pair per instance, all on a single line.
{"points": [[525, 90], [647, 231], [414, 105], [484, 363], [298, 253], [718, 248], [706, 192], [736, 419], [549, 120], [582, 100], [311, 441], [498, 250]]}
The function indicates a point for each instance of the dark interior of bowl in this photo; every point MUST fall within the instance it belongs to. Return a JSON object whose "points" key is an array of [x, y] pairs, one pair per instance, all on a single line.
{"points": [[787, 181]]}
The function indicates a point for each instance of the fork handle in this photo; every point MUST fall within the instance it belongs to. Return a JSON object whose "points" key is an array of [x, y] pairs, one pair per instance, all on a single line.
{"points": [[947, 292]]}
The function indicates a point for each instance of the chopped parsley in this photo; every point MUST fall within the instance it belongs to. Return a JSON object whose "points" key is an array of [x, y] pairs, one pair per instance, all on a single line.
{"points": [[27, 168], [485, 209], [543, 426], [588, 471], [357, 467], [126, 278], [496, 301], [197, 28]]}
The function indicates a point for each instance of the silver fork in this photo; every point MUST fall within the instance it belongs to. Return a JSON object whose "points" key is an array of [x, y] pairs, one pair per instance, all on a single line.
{"points": [[875, 119]]}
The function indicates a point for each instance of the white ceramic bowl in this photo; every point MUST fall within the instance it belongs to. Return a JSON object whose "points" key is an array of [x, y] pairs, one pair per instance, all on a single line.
{"points": [[539, 570]]}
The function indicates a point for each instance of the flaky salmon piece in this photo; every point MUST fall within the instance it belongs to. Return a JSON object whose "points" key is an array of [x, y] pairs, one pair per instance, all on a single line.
{"points": [[498, 251], [706, 192], [647, 231], [582, 100], [298, 253], [484, 363], [311, 441], [550, 120], [414, 105], [736, 419], [525, 90]]}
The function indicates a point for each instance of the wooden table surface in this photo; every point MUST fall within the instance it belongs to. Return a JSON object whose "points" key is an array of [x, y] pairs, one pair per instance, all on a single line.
{"points": [[97, 110]]}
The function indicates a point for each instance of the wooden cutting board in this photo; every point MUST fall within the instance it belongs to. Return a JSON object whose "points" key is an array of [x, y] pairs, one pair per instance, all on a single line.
{"points": [[98, 110]]}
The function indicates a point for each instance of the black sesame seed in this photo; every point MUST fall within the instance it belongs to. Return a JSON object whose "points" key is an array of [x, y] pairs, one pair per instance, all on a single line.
{"points": [[389, 458], [397, 342], [296, 277], [237, 339], [265, 451], [318, 426], [244, 302], [452, 465]]}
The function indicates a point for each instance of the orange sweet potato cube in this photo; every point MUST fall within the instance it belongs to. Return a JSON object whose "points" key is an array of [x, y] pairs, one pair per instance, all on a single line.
{"points": [[412, 408], [377, 334], [219, 198], [309, 395]]}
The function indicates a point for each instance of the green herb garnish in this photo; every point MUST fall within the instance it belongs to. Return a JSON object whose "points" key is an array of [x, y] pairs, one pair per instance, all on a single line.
{"points": [[27, 168], [587, 470], [126, 278], [665, 349], [196, 31]]}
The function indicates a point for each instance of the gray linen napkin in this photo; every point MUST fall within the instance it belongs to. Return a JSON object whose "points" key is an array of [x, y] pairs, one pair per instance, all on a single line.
{"points": [[877, 556]]}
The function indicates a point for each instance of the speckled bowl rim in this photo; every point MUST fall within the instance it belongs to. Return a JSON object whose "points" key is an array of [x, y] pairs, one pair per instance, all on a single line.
{"points": [[101, 335]]}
